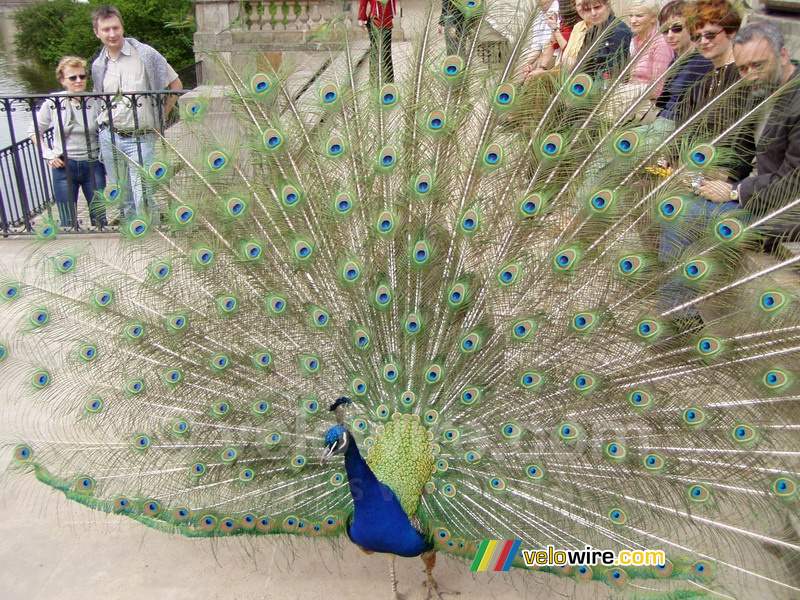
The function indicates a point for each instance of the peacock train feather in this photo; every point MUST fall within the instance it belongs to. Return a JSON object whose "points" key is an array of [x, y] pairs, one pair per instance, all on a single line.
{"points": [[475, 267]]}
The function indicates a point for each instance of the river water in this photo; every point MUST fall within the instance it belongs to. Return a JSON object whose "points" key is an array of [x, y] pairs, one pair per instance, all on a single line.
{"points": [[18, 78]]}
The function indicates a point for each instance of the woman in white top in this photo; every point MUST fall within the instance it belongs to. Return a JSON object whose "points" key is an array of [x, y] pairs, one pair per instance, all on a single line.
{"points": [[74, 157]]}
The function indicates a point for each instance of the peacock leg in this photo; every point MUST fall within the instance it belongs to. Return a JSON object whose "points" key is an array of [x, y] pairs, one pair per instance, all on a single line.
{"points": [[395, 595], [429, 559]]}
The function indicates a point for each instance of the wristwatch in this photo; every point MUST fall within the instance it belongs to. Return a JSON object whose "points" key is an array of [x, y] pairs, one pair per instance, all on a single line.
{"points": [[734, 195]]}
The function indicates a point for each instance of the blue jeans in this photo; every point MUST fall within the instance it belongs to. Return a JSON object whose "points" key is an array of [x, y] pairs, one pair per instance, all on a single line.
{"points": [[676, 237], [136, 193], [79, 174]]}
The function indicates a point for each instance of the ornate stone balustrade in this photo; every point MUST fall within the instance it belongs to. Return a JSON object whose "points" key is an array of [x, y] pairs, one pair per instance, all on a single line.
{"points": [[234, 25]]}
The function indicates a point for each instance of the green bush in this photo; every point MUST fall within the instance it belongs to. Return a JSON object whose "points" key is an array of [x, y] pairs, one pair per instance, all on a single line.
{"points": [[49, 30]]}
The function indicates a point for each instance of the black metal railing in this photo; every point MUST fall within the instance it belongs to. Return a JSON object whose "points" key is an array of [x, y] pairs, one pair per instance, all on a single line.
{"points": [[27, 191], [26, 188]]}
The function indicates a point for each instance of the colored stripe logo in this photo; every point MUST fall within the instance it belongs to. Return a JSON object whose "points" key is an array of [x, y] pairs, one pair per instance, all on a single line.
{"points": [[499, 553]]}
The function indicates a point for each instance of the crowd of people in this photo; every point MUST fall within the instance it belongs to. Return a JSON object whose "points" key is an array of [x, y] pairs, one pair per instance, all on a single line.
{"points": [[676, 57], [664, 64]]}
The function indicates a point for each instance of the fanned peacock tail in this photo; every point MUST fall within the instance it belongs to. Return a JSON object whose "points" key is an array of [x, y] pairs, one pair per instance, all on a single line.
{"points": [[476, 266]]}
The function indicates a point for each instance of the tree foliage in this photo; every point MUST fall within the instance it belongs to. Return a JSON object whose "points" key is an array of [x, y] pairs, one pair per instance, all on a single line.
{"points": [[51, 29]]}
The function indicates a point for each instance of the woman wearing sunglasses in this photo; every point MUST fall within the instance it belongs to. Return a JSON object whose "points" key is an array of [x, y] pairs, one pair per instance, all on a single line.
{"points": [[74, 157], [687, 68], [712, 24]]}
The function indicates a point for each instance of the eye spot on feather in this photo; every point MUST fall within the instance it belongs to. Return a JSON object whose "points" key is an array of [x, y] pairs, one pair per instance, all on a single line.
{"points": [[39, 318], [453, 66], [65, 264], [497, 484], [260, 83], [431, 417], [273, 140], [534, 472], [743, 433], [698, 493], [343, 203], [23, 453], [40, 379], [45, 232], [84, 484], [776, 379], [709, 346], [264, 524], [135, 386], [94, 404], [329, 94], [423, 184], [470, 221], [784, 487], [618, 516], [616, 450]]}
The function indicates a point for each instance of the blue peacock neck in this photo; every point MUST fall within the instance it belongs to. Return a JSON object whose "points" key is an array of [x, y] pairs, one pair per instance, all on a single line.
{"points": [[379, 522], [360, 478]]}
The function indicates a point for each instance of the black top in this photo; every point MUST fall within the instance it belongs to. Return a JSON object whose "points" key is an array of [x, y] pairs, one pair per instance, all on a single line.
{"points": [[611, 52], [680, 82]]}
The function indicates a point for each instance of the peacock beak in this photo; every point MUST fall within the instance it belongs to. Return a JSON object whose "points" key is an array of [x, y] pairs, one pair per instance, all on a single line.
{"points": [[326, 455]]}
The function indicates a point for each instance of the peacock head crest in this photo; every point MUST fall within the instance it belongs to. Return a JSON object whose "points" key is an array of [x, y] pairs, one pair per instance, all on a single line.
{"points": [[337, 438]]}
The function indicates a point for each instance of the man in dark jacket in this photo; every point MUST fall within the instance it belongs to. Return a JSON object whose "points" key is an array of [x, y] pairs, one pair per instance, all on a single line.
{"points": [[609, 55], [762, 58]]}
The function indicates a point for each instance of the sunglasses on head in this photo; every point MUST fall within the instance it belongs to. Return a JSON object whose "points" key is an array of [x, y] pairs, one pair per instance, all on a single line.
{"points": [[673, 29], [82, 76], [707, 36]]}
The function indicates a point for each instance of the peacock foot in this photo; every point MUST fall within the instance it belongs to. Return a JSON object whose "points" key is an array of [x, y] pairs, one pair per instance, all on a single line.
{"points": [[433, 589], [393, 577]]}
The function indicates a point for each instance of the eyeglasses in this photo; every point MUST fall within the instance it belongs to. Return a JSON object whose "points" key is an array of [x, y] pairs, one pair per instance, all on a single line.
{"points": [[82, 76], [707, 36], [673, 29]]}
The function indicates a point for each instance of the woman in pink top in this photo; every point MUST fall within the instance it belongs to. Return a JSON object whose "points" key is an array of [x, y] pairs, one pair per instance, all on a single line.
{"points": [[651, 56], [649, 49]]}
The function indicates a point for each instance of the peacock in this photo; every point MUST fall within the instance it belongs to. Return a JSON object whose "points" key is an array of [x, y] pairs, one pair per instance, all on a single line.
{"points": [[426, 317]]}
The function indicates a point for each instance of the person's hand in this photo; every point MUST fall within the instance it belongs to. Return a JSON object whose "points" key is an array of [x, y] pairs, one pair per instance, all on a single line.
{"points": [[452, 32], [56, 163], [552, 20], [362, 24], [440, 29], [715, 190]]}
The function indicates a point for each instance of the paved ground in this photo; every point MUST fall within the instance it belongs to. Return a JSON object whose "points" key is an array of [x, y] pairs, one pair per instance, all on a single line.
{"points": [[53, 548]]}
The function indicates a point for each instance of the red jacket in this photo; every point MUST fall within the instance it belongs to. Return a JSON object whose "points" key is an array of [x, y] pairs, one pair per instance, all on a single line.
{"points": [[381, 13]]}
